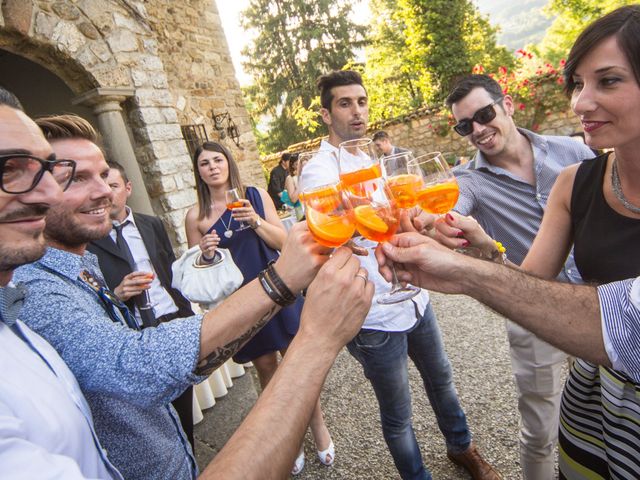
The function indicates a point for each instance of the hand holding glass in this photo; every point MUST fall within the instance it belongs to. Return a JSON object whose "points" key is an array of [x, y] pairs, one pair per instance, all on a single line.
{"points": [[375, 210]]}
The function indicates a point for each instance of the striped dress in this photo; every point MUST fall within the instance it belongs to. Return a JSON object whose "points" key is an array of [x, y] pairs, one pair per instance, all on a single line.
{"points": [[600, 411]]}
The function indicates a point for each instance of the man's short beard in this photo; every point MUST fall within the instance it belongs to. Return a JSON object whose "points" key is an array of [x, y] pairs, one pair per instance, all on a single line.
{"points": [[68, 233]]}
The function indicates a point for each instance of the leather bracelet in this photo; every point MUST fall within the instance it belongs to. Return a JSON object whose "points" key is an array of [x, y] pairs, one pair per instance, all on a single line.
{"points": [[271, 291], [279, 283]]}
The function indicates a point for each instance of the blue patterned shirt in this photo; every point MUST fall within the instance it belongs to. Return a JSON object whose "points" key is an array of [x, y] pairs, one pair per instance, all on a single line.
{"points": [[129, 377], [510, 209]]}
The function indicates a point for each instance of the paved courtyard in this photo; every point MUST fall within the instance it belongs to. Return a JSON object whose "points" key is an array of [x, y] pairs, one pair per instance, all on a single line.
{"points": [[476, 342]]}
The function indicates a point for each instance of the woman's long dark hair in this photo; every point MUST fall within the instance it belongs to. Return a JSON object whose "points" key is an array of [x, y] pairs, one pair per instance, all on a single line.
{"points": [[202, 189]]}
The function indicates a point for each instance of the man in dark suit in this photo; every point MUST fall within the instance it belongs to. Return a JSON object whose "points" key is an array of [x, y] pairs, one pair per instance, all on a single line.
{"points": [[137, 246], [276, 179]]}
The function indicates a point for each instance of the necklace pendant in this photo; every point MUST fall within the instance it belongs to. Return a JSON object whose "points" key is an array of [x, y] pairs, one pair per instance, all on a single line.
{"points": [[228, 233]]}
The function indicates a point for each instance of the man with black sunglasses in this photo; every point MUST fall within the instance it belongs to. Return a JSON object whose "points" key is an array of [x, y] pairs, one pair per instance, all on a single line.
{"points": [[45, 422], [505, 188]]}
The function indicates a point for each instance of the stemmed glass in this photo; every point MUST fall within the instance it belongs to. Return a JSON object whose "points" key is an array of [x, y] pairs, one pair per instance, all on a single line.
{"points": [[328, 210], [375, 210], [145, 266], [439, 191], [234, 200]]}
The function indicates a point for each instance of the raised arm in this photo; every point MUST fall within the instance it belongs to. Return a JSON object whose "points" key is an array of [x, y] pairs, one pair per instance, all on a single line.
{"points": [[266, 443], [292, 188], [552, 244], [567, 316]]}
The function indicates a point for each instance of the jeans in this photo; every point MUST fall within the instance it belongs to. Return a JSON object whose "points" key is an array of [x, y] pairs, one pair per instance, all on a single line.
{"points": [[383, 356]]}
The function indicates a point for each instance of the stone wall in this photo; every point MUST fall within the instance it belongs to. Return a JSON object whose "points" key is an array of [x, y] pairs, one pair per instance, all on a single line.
{"points": [[415, 131], [194, 50], [171, 55]]}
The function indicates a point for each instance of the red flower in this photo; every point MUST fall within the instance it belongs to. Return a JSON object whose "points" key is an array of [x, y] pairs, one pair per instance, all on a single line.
{"points": [[502, 70], [522, 106]]}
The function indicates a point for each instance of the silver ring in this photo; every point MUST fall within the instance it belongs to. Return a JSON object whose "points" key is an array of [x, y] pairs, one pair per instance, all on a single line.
{"points": [[362, 276]]}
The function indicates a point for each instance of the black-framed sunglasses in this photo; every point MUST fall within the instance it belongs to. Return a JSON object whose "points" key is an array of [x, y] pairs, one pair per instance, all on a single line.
{"points": [[21, 172], [483, 116]]}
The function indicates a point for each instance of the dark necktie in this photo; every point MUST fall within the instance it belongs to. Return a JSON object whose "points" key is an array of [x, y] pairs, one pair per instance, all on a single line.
{"points": [[146, 314]]}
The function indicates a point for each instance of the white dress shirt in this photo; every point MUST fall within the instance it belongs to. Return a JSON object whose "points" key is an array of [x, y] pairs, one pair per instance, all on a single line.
{"points": [[162, 302], [46, 428], [323, 169]]}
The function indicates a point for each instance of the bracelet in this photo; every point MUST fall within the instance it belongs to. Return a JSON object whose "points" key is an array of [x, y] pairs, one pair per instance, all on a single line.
{"points": [[271, 291], [278, 283], [499, 254]]}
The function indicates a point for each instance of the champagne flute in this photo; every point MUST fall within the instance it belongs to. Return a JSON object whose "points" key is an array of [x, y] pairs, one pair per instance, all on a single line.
{"points": [[145, 266], [328, 210], [404, 186], [234, 200], [375, 210], [439, 191]]}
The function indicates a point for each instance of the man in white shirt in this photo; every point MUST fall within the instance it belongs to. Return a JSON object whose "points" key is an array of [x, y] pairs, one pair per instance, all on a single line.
{"points": [[46, 428], [391, 333]]}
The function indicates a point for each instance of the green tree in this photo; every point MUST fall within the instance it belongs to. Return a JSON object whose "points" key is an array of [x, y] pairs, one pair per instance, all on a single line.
{"points": [[419, 48], [297, 40], [572, 17]]}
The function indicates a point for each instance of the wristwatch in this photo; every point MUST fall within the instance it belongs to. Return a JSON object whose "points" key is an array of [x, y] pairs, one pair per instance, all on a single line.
{"points": [[258, 223]]}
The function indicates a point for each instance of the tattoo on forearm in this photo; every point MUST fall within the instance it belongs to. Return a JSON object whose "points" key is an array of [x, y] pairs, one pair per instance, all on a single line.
{"points": [[224, 353]]}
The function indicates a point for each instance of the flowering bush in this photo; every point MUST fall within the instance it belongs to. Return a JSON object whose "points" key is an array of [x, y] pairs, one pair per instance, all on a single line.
{"points": [[535, 86]]}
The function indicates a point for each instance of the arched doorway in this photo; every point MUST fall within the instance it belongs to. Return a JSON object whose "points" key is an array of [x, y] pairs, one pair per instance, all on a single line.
{"points": [[40, 91]]}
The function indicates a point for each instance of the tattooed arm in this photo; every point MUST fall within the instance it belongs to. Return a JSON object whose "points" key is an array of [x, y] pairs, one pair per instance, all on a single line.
{"points": [[236, 320], [222, 325]]}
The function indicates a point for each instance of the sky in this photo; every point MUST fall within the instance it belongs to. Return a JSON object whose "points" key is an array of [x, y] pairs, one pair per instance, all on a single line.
{"points": [[237, 39]]}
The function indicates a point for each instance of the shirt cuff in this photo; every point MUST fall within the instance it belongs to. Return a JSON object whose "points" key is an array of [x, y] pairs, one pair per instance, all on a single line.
{"points": [[620, 317]]}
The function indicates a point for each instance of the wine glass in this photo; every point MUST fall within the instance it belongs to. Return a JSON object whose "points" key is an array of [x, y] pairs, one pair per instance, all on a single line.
{"points": [[145, 266], [439, 191], [375, 210], [328, 210], [404, 186], [234, 200]]}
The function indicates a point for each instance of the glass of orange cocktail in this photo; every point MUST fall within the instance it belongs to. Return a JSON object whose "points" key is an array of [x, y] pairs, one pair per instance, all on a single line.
{"points": [[375, 209], [328, 210], [439, 191], [234, 200], [403, 183]]}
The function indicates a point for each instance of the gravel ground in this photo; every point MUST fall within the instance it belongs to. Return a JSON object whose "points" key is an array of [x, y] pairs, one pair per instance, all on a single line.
{"points": [[476, 342]]}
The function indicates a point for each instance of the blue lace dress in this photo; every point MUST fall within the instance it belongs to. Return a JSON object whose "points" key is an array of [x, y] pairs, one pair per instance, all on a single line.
{"points": [[251, 254]]}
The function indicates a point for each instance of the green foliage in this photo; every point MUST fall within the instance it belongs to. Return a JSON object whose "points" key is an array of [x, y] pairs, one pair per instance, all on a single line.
{"points": [[572, 17], [419, 48], [297, 40]]}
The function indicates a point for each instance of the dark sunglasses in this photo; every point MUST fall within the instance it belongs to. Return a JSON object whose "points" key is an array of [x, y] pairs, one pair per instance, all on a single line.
{"points": [[483, 116], [21, 173]]}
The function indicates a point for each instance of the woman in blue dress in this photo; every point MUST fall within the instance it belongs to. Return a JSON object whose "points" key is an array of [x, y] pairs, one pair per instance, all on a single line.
{"points": [[210, 224]]}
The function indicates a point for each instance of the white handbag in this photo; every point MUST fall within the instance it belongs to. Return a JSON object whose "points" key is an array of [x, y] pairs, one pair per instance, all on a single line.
{"points": [[209, 283]]}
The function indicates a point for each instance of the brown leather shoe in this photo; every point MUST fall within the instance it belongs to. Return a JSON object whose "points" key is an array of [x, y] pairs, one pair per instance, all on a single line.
{"points": [[475, 464]]}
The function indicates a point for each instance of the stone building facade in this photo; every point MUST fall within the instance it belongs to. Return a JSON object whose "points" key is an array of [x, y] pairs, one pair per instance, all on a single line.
{"points": [[139, 71]]}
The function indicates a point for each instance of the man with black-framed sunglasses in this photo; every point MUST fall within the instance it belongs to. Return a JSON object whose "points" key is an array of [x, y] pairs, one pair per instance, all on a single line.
{"points": [[20, 172], [505, 188]]}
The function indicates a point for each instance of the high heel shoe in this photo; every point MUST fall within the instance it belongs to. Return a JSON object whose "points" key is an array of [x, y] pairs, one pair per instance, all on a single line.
{"points": [[329, 452], [298, 465]]}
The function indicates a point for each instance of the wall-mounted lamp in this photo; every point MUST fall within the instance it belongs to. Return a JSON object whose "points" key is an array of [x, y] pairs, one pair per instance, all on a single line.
{"points": [[225, 126]]}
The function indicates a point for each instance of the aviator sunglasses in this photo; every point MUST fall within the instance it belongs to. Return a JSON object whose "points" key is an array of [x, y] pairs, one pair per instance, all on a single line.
{"points": [[483, 116]]}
